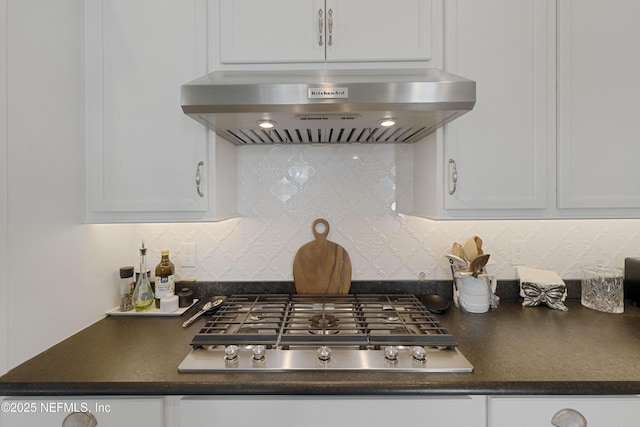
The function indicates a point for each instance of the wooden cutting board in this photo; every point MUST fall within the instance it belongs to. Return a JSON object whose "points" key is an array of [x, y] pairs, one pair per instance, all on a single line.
{"points": [[322, 267]]}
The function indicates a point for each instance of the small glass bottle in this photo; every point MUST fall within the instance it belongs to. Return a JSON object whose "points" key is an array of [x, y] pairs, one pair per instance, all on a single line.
{"points": [[127, 285], [143, 294]]}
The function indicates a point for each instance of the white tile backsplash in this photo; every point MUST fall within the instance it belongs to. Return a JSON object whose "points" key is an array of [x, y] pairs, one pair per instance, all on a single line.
{"points": [[283, 189]]}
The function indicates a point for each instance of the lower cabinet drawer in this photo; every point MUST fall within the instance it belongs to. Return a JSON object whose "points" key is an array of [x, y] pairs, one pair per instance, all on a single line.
{"points": [[600, 411], [107, 411], [317, 411]]}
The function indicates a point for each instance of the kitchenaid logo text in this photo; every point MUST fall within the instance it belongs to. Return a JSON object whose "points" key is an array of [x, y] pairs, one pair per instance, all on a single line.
{"points": [[330, 93]]}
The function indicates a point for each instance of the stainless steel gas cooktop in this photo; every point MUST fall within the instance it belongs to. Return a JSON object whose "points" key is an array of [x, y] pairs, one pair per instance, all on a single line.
{"points": [[324, 332]]}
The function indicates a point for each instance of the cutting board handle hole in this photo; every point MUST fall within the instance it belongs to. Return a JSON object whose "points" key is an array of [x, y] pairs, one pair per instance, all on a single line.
{"points": [[320, 228]]}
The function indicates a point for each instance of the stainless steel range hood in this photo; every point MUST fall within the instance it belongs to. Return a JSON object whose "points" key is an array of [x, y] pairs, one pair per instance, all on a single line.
{"points": [[347, 106]]}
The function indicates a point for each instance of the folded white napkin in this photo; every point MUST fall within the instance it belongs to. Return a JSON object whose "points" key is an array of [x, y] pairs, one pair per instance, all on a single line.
{"points": [[541, 277]]}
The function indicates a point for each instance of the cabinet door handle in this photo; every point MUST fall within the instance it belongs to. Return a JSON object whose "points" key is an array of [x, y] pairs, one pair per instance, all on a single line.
{"points": [[79, 419], [568, 418], [330, 24], [453, 176], [320, 27], [199, 178]]}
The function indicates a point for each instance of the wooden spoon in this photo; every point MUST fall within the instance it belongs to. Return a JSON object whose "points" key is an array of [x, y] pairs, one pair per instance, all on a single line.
{"points": [[478, 264], [470, 250], [478, 241]]}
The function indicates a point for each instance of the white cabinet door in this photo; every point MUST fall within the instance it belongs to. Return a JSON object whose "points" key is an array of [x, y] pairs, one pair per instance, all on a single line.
{"points": [[598, 106], [365, 30], [500, 148], [284, 31], [271, 31], [463, 411], [620, 411], [108, 411], [142, 151]]}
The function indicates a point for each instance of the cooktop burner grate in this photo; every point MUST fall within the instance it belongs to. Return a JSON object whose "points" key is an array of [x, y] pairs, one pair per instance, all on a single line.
{"points": [[367, 321]]}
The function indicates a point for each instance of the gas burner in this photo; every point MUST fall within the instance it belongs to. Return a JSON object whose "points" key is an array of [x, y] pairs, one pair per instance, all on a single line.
{"points": [[323, 324], [389, 315]]}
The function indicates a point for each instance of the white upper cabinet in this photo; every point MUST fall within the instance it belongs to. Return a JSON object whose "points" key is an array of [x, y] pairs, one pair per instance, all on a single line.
{"points": [[142, 151], [491, 162], [499, 149], [515, 157], [270, 31], [553, 133], [598, 108], [312, 31]]}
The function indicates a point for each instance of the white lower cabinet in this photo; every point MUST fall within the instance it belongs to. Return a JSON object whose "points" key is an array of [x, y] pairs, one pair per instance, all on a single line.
{"points": [[317, 411], [599, 411], [125, 411]]}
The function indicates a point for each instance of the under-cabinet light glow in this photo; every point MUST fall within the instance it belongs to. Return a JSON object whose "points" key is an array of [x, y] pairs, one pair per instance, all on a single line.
{"points": [[266, 124], [387, 121]]}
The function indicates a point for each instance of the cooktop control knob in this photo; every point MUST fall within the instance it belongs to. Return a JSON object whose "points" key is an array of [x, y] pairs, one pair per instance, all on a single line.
{"points": [[391, 353], [258, 352], [418, 353], [324, 353], [231, 352]]}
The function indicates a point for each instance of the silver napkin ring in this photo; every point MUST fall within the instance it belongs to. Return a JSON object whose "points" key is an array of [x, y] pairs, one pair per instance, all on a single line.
{"points": [[535, 294]]}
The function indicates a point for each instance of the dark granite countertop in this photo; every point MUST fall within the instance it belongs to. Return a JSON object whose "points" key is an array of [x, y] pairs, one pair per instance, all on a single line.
{"points": [[514, 350]]}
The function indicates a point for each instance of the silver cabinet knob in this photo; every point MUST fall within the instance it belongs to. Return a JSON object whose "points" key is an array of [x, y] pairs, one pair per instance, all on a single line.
{"points": [[79, 419], [568, 418]]}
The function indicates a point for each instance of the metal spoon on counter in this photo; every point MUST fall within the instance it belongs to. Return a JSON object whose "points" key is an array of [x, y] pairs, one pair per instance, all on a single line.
{"points": [[208, 308]]}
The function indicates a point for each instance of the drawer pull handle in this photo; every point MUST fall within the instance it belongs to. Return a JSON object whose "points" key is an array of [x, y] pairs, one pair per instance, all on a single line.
{"points": [[199, 178], [320, 27], [453, 177], [330, 23]]}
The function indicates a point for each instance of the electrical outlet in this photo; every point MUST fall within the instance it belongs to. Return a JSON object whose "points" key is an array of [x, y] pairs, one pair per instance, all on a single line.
{"points": [[188, 250], [517, 252]]}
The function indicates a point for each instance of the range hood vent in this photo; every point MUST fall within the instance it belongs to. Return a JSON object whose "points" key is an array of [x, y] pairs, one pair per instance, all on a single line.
{"points": [[342, 107]]}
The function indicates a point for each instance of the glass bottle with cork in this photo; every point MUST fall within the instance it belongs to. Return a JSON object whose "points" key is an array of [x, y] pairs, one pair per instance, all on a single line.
{"points": [[165, 277], [143, 294]]}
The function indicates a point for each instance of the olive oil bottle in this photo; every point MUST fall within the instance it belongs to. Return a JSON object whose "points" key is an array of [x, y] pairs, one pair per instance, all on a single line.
{"points": [[143, 294], [165, 277]]}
